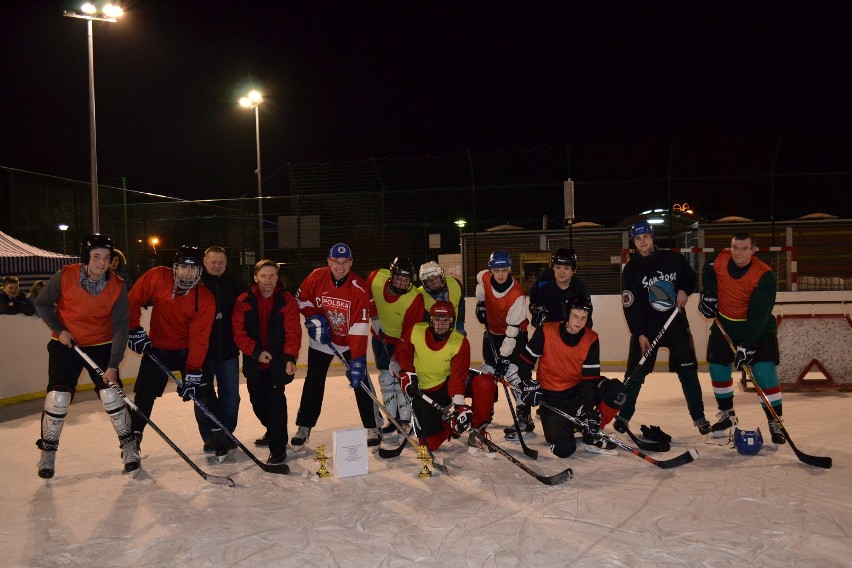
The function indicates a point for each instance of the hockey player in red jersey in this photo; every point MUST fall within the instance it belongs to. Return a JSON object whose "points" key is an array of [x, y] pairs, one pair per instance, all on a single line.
{"points": [[398, 306], [435, 359], [181, 321], [336, 305], [500, 306]]}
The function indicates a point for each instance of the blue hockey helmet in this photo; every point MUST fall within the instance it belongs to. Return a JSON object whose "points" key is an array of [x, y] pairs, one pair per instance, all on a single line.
{"points": [[641, 228], [748, 442], [500, 259]]}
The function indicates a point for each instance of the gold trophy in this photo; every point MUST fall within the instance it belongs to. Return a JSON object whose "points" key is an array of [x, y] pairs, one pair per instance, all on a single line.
{"points": [[322, 458], [423, 456]]}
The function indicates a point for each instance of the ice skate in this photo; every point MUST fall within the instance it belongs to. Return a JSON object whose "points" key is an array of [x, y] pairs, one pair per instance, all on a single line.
{"points": [[726, 420], [131, 458], [47, 464], [476, 447], [775, 431], [302, 436], [599, 445], [703, 426]]}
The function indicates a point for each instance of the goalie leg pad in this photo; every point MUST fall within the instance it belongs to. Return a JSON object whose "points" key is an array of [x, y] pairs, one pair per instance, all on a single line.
{"points": [[53, 418], [389, 387], [118, 413]]}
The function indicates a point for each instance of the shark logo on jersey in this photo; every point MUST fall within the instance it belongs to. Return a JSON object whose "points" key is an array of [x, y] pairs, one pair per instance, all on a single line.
{"points": [[662, 295]]}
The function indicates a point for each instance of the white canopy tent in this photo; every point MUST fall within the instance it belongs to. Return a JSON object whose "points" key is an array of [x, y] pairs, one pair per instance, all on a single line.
{"points": [[27, 262]]}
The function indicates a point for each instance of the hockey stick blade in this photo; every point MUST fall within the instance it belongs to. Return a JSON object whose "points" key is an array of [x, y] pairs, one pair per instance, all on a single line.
{"points": [[557, 479], [649, 446], [823, 462], [217, 479], [281, 469], [388, 453]]}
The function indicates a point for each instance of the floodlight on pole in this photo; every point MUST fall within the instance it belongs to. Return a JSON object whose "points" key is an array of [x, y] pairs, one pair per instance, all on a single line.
{"points": [[88, 12], [252, 101], [64, 228], [460, 223]]}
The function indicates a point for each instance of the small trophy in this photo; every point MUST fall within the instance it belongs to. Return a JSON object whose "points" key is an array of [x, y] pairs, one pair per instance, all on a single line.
{"points": [[322, 458], [423, 456]]}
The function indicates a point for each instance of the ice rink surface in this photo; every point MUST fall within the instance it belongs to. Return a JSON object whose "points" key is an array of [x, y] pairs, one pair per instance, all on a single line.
{"points": [[722, 510]]}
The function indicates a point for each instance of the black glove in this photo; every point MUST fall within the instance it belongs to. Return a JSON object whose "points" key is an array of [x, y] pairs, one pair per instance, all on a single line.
{"points": [[192, 381], [593, 419], [137, 340], [409, 384], [530, 392], [501, 368], [480, 312], [709, 306], [462, 418], [744, 356], [538, 315]]}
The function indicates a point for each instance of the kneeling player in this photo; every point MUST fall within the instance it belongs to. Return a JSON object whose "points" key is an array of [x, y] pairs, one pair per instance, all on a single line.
{"points": [[434, 359], [568, 373]]}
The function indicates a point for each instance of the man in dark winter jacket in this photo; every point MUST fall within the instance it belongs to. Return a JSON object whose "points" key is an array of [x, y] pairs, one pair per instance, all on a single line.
{"points": [[222, 361], [268, 331]]}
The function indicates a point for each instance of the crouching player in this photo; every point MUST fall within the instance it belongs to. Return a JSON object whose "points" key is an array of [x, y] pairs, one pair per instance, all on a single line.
{"points": [[568, 378], [434, 359]]}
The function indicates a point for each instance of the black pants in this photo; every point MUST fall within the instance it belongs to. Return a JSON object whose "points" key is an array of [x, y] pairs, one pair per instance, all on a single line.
{"points": [[269, 402], [314, 391]]}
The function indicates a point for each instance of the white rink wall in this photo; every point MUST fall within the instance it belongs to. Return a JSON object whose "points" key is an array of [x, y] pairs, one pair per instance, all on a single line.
{"points": [[23, 356]]}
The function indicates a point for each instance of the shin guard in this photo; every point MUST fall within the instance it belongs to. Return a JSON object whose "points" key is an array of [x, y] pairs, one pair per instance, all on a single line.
{"points": [[118, 414]]}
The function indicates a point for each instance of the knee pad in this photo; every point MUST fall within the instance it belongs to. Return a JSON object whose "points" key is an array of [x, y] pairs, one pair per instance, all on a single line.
{"points": [[110, 399], [117, 411], [612, 393], [563, 448], [403, 406], [53, 418], [388, 384]]}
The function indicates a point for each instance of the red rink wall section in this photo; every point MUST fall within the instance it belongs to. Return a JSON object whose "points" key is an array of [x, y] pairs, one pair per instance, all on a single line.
{"points": [[816, 351]]}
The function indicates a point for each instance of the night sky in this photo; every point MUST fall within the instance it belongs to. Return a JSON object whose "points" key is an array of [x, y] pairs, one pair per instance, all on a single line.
{"points": [[354, 80]]}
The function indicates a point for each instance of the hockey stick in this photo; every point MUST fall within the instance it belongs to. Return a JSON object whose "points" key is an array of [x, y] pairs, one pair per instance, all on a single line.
{"points": [[217, 479], [394, 452], [654, 343], [676, 461], [281, 468], [441, 467], [528, 451], [816, 461], [556, 479]]}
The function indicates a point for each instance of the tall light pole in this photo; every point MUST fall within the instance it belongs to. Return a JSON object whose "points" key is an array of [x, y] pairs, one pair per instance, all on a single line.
{"points": [[253, 101], [63, 227], [88, 12]]}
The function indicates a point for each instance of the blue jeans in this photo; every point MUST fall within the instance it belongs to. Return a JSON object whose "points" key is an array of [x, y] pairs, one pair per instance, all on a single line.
{"points": [[227, 392]]}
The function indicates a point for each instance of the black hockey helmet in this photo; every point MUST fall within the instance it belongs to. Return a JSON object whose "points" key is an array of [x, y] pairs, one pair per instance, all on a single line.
{"points": [[576, 303], [92, 242], [190, 256], [403, 267], [565, 257]]}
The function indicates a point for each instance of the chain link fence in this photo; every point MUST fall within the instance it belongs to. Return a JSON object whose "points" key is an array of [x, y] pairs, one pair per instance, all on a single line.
{"points": [[409, 207]]}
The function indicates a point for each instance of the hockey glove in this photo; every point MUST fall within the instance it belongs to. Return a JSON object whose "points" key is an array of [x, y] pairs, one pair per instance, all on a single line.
{"points": [[530, 392], [192, 382], [480, 312], [357, 372], [501, 368], [592, 418], [137, 340], [317, 327], [539, 315], [744, 356], [462, 418], [410, 384], [709, 306]]}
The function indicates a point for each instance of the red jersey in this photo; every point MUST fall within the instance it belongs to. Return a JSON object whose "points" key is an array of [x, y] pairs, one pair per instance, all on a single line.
{"points": [[88, 318], [179, 322], [561, 366], [346, 308], [502, 309]]}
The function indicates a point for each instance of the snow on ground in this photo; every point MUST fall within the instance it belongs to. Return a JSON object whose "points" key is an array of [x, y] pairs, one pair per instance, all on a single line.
{"points": [[722, 510]]}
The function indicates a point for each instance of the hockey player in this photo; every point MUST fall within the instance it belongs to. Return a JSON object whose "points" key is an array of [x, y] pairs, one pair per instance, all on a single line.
{"points": [[181, 321], [223, 356], [740, 289], [434, 286], [268, 331], [568, 378], [500, 307], [655, 283], [398, 306], [85, 304], [435, 359], [550, 290], [337, 307]]}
